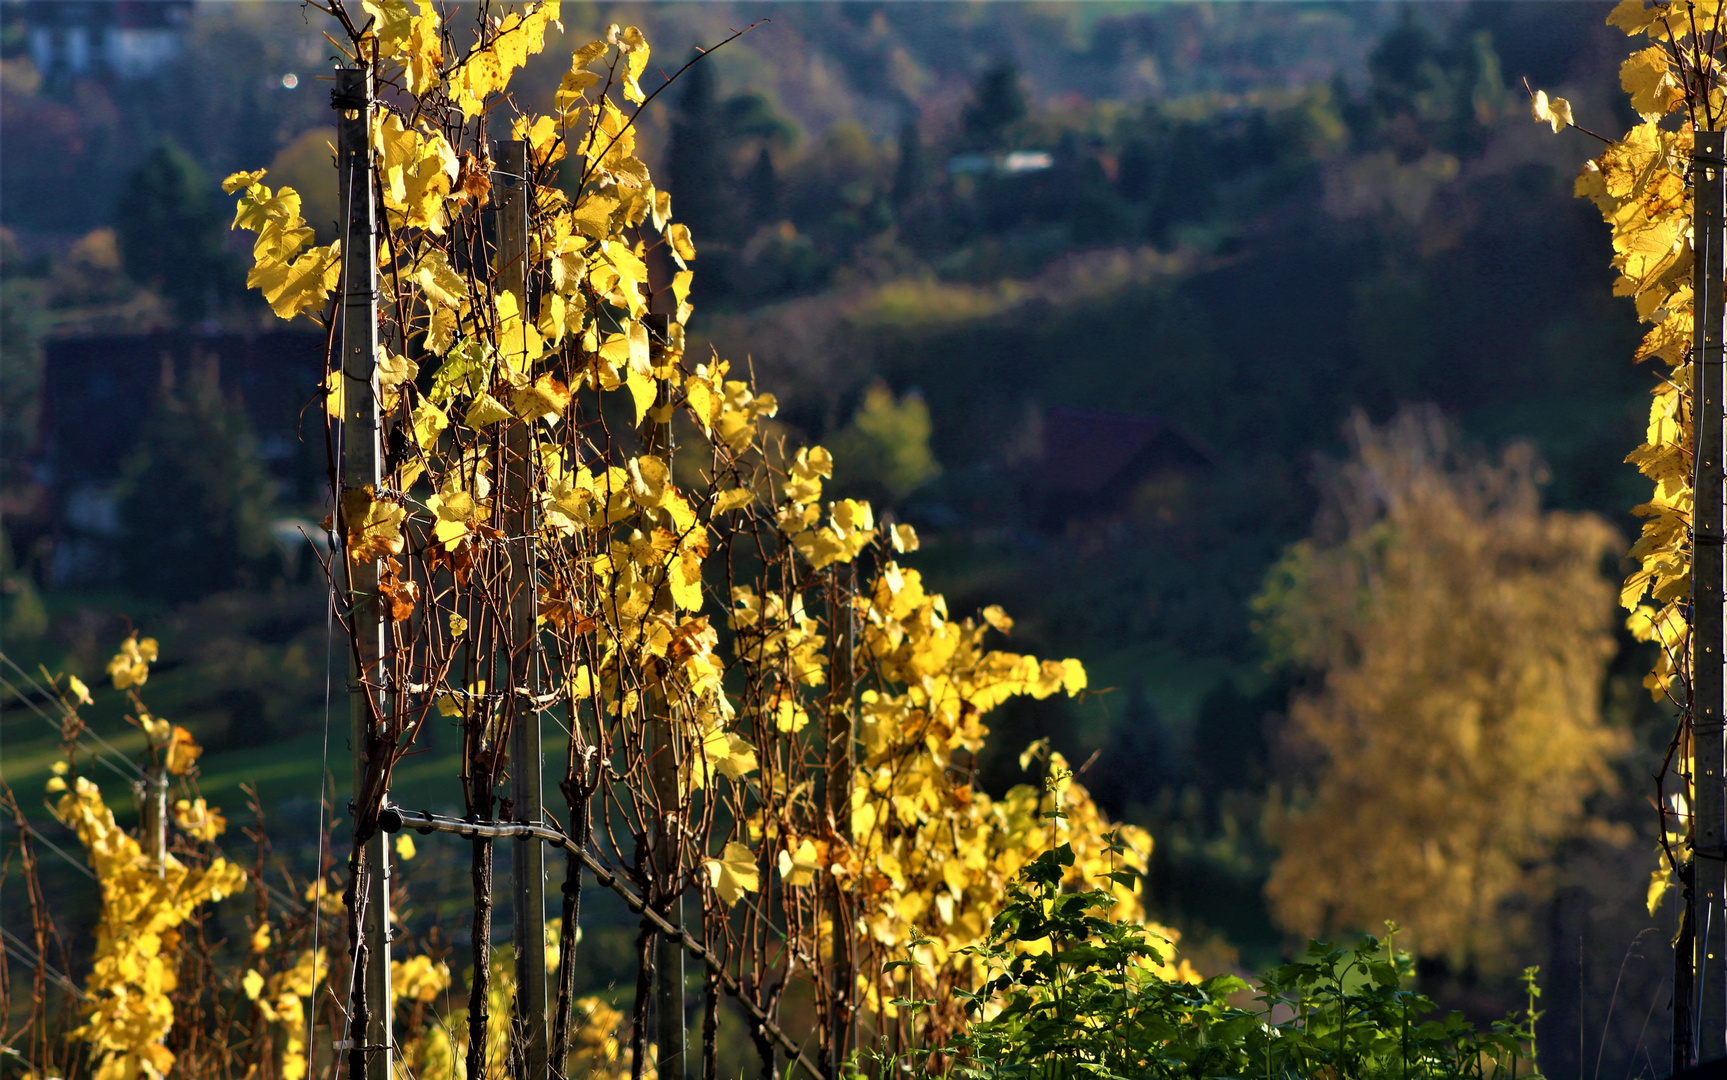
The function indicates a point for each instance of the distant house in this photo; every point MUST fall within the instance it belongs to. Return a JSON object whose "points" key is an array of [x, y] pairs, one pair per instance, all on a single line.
{"points": [[122, 39], [97, 393], [1007, 164], [1083, 465]]}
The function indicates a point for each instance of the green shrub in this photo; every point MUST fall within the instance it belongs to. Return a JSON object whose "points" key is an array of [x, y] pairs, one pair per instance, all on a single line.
{"points": [[1069, 993]]}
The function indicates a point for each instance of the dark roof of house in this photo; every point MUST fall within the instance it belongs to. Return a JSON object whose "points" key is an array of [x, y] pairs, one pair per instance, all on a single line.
{"points": [[1086, 450]]}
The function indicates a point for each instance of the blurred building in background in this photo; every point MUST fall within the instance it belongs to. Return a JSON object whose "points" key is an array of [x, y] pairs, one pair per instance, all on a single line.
{"points": [[271, 380], [120, 39]]}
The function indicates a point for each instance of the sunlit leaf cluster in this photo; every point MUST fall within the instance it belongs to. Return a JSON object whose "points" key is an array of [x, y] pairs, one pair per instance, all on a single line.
{"points": [[704, 614], [1641, 184]]}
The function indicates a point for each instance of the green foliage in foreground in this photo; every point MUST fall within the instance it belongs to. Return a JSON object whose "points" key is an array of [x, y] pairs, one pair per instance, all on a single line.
{"points": [[1088, 1006]]}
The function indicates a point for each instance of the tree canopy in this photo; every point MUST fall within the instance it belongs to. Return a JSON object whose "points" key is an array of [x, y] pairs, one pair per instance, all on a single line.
{"points": [[1459, 635]]}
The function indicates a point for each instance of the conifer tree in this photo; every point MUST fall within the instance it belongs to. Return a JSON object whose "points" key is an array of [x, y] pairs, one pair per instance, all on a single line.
{"points": [[697, 168], [195, 498], [908, 176], [997, 104], [171, 231], [763, 185]]}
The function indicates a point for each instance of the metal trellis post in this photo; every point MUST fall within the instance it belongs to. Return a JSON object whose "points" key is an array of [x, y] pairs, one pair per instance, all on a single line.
{"points": [[1708, 676], [664, 752], [153, 814], [361, 468], [529, 857], [841, 765]]}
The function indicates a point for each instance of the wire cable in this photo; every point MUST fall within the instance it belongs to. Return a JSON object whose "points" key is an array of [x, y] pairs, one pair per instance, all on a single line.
{"points": [[57, 726], [44, 692], [24, 952]]}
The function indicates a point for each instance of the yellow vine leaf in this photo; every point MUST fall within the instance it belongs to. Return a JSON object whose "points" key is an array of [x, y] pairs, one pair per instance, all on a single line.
{"points": [[1554, 111], [181, 753], [206, 823], [487, 70], [374, 525], [1653, 88], [734, 873], [485, 411], [131, 665], [127, 1007]]}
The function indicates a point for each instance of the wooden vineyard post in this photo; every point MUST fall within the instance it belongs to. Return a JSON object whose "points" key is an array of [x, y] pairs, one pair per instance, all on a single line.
{"points": [[663, 750], [361, 465], [841, 764], [522, 693], [1709, 676]]}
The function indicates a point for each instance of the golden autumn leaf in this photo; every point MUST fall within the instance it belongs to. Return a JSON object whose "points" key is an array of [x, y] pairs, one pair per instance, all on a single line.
{"points": [[734, 873], [683, 249], [425, 50], [636, 52], [392, 21], [438, 281], [79, 692], [429, 422], [485, 411], [454, 508], [374, 526], [1632, 16], [300, 287], [1648, 78], [544, 140], [193, 816], [644, 392], [804, 478], [240, 181], [544, 397], [181, 753], [574, 86], [731, 499], [1554, 111], [799, 869], [1659, 882], [131, 665]]}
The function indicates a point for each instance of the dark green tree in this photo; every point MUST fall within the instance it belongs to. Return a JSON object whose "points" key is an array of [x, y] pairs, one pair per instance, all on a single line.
{"points": [[697, 169], [1406, 70], [20, 377], [997, 104], [762, 187], [21, 490], [195, 499], [1428, 94], [908, 173], [170, 232]]}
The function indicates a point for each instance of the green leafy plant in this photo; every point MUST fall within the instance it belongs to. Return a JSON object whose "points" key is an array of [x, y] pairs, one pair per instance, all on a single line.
{"points": [[1071, 993]]}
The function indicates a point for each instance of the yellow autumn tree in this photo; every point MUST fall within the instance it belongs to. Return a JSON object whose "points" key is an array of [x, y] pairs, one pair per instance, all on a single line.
{"points": [[1459, 634]]}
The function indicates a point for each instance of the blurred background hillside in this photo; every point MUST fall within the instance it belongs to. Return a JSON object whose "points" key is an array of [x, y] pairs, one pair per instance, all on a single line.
{"points": [[1086, 291]]}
